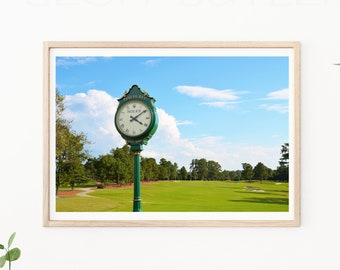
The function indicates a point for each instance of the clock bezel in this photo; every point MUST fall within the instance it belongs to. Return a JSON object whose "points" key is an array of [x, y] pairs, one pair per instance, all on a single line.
{"points": [[146, 130]]}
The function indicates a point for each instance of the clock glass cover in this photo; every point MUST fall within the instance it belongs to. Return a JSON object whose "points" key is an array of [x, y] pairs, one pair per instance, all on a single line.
{"points": [[133, 118]]}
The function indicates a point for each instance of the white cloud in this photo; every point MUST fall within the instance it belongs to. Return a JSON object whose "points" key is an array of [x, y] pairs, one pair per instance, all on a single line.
{"points": [[207, 93], [253, 154], [183, 150], [231, 155], [280, 108], [167, 126], [74, 61], [184, 122], [220, 104], [278, 95], [167, 143], [222, 99], [90, 83], [149, 154], [151, 62], [93, 113]]}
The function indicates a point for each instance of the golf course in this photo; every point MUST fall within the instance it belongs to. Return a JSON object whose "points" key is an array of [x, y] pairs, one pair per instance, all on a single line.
{"points": [[179, 196]]}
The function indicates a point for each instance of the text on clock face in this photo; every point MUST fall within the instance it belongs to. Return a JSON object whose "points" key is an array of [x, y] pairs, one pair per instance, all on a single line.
{"points": [[134, 111]]}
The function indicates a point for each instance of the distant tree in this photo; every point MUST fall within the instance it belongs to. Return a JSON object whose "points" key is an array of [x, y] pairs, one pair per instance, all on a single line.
{"points": [[282, 171], [260, 172], [149, 169], [91, 169], [106, 167], [193, 169], [202, 169], [235, 175], [247, 172], [214, 170], [225, 175], [123, 165], [199, 169], [165, 169], [183, 174], [173, 171], [70, 149], [284, 160]]}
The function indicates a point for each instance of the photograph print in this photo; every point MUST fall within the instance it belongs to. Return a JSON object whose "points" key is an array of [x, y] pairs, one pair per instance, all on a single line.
{"points": [[225, 150]]}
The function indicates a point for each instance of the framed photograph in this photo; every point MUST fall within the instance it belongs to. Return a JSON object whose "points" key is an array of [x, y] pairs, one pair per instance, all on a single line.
{"points": [[224, 151]]}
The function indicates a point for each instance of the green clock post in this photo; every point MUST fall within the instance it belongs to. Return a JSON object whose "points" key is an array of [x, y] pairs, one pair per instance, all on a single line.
{"points": [[136, 120]]}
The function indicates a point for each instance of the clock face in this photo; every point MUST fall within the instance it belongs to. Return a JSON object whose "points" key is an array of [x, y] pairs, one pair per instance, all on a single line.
{"points": [[133, 118]]}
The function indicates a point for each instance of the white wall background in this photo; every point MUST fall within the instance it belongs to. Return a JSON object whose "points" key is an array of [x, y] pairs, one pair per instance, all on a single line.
{"points": [[25, 24]]}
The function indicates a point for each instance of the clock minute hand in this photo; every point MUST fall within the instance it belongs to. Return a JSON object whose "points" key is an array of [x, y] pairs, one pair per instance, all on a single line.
{"points": [[139, 114], [135, 119]]}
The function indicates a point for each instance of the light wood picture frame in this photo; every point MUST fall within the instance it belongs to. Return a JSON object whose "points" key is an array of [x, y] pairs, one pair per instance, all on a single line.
{"points": [[283, 103]]}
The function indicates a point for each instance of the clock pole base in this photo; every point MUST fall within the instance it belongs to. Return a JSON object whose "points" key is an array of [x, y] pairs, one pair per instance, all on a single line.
{"points": [[137, 205]]}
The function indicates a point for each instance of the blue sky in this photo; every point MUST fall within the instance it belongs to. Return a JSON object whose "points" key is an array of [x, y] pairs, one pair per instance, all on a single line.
{"points": [[230, 109]]}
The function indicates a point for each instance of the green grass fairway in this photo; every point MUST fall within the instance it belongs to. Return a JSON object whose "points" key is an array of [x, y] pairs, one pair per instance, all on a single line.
{"points": [[184, 196]]}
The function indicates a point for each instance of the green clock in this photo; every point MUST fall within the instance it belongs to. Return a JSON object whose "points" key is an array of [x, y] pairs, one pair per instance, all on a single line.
{"points": [[136, 117], [136, 120]]}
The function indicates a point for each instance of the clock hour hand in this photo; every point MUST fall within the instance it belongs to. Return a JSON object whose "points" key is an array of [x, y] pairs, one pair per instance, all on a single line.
{"points": [[135, 119]]}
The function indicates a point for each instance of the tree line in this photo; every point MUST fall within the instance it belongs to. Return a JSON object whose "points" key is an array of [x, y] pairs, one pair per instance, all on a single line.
{"points": [[75, 165]]}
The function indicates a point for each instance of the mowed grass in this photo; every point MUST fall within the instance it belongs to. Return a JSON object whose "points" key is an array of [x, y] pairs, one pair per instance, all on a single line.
{"points": [[184, 196]]}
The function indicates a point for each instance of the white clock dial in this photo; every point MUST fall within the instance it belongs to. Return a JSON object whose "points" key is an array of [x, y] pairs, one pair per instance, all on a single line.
{"points": [[133, 118]]}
